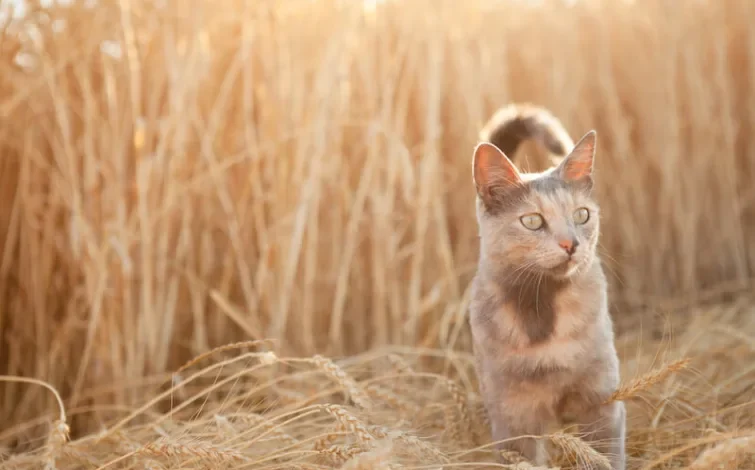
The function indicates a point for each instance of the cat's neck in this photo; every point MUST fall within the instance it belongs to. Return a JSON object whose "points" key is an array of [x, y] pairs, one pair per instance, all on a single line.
{"points": [[533, 297]]}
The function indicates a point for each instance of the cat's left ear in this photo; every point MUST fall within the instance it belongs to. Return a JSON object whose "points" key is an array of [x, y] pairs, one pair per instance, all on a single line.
{"points": [[577, 167]]}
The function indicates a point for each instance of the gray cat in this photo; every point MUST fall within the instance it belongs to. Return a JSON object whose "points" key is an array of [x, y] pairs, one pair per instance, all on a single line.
{"points": [[543, 337]]}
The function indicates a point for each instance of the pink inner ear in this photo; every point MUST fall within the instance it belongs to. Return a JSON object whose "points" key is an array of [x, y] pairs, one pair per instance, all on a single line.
{"points": [[578, 168], [493, 168], [578, 164]]}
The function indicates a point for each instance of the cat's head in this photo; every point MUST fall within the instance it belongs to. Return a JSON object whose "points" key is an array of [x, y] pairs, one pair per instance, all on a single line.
{"points": [[545, 223]]}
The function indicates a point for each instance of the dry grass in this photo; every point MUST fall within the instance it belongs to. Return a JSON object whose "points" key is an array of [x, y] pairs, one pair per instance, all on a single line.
{"points": [[261, 410], [181, 175]]}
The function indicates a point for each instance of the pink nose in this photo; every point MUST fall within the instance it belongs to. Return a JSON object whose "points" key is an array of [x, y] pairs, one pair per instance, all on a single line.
{"points": [[569, 246]]}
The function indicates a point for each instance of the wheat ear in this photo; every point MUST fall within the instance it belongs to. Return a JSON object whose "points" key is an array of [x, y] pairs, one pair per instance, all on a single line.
{"points": [[59, 431], [350, 386], [583, 452], [648, 380]]}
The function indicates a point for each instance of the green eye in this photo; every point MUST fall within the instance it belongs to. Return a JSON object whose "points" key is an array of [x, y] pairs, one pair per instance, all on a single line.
{"points": [[532, 221], [581, 216]]}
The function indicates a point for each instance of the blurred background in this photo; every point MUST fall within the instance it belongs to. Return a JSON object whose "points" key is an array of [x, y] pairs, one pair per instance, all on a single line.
{"points": [[177, 175]]}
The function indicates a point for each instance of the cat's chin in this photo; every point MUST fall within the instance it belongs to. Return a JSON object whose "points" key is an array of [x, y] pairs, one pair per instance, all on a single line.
{"points": [[565, 270]]}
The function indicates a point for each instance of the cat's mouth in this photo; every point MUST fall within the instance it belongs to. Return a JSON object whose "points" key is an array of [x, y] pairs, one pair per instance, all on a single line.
{"points": [[565, 268]]}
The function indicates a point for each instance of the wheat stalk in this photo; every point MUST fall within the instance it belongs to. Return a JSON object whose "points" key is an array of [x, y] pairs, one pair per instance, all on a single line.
{"points": [[580, 450], [480, 421], [59, 431], [151, 464], [202, 450], [726, 455], [56, 439], [80, 456], [377, 458], [529, 466], [410, 441], [342, 453], [400, 365], [394, 400], [648, 380], [349, 385], [323, 442], [219, 349], [225, 426], [458, 423], [351, 423], [265, 426]]}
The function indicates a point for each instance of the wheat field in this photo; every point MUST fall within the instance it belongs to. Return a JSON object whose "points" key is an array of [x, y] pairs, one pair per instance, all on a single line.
{"points": [[289, 181]]}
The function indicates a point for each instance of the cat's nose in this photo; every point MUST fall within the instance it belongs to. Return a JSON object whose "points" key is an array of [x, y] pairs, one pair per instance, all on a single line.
{"points": [[569, 246]]}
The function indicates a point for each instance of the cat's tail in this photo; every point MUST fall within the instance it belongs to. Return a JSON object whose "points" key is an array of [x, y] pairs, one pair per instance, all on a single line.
{"points": [[515, 123]]}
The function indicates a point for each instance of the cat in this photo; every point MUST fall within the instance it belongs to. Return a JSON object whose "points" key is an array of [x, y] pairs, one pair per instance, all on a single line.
{"points": [[542, 335]]}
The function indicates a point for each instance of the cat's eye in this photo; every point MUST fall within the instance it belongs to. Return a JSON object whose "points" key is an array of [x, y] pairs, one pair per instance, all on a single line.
{"points": [[532, 221], [581, 216]]}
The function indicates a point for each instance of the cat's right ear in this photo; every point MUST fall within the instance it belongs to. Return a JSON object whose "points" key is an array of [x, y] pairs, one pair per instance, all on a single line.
{"points": [[493, 172]]}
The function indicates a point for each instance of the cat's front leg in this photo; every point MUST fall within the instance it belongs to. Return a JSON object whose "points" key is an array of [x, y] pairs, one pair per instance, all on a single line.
{"points": [[604, 427], [514, 428]]}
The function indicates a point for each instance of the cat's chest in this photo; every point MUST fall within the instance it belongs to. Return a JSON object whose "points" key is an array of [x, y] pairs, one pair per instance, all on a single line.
{"points": [[554, 335], [552, 318]]}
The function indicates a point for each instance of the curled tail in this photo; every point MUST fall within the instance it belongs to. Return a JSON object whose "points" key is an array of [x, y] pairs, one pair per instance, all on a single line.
{"points": [[515, 123]]}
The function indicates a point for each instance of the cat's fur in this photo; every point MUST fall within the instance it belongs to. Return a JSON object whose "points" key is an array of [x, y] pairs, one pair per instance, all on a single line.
{"points": [[543, 337]]}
